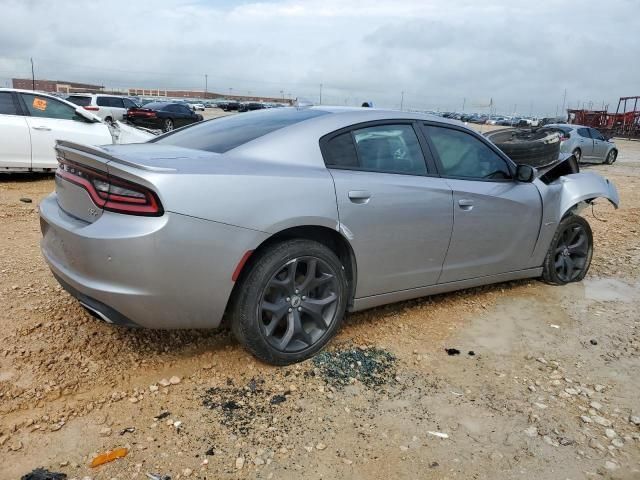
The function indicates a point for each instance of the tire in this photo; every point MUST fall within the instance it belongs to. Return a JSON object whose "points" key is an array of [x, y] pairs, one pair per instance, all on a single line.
{"points": [[611, 157], [570, 252], [578, 154], [167, 125], [108, 119], [537, 148], [267, 295]]}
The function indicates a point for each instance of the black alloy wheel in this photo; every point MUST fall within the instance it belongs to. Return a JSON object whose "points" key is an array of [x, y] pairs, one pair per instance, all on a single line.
{"points": [[299, 304], [570, 252], [289, 301]]}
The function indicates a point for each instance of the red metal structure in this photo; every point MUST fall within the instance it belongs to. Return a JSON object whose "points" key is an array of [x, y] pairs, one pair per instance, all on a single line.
{"points": [[624, 123]]}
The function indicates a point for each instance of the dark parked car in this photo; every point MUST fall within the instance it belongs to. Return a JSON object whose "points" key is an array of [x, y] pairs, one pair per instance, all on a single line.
{"points": [[163, 115], [250, 106], [229, 106]]}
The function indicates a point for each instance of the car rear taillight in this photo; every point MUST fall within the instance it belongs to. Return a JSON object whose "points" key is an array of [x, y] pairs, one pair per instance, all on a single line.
{"points": [[111, 193], [93, 109], [142, 113]]}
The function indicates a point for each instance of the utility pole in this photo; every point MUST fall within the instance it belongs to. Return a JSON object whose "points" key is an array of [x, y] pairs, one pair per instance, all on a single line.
{"points": [[33, 76], [320, 94], [464, 101], [564, 99], [401, 100], [206, 80], [230, 91], [282, 93]]}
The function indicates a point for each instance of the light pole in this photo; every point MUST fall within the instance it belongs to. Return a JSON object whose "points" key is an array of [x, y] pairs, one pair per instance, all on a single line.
{"points": [[320, 94], [401, 100], [206, 80], [33, 76]]}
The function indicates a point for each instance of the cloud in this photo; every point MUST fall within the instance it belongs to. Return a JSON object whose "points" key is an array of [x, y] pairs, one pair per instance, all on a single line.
{"points": [[437, 52]]}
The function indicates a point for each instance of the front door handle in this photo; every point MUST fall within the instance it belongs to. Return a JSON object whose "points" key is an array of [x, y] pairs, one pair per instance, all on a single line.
{"points": [[45, 129], [465, 204], [359, 196]]}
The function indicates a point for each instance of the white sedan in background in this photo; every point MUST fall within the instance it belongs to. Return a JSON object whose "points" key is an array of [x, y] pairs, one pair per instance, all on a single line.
{"points": [[31, 122]]}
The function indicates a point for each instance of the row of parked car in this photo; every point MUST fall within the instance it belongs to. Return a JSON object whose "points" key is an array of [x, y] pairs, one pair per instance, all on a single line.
{"points": [[503, 120]]}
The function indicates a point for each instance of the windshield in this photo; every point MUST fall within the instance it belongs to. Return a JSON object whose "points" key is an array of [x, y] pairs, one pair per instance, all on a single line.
{"points": [[225, 133], [80, 101]]}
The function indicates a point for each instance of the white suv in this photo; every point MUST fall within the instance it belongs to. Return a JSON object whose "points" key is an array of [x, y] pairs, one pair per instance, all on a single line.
{"points": [[108, 107]]}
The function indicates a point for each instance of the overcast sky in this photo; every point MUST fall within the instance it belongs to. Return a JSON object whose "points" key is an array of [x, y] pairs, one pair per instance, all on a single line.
{"points": [[439, 52]]}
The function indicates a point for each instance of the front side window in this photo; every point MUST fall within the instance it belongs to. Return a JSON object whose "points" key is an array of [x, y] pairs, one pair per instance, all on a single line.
{"points": [[7, 105], [596, 134], [47, 107], [128, 103], [463, 155]]}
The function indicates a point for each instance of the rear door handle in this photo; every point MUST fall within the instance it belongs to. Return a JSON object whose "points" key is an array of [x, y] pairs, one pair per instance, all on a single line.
{"points": [[359, 196], [46, 129], [465, 204]]}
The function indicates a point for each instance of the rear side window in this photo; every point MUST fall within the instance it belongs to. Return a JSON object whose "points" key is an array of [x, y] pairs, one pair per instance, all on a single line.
{"points": [[225, 133], [7, 105], [584, 132], [340, 152], [381, 148], [80, 101], [110, 102]]}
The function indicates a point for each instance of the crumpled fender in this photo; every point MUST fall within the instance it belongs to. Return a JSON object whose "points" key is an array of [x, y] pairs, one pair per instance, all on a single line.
{"points": [[580, 187]]}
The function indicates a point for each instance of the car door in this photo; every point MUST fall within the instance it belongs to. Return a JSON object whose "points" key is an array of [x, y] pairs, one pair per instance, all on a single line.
{"points": [[396, 215], [600, 145], [496, 220], [585, 143], [186, 115], [49, 120], [15, 141], [117, 108]]}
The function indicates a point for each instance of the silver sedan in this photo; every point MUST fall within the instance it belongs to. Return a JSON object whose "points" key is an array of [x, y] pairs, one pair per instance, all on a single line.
{"points": [[281, 220], [587, 144]]}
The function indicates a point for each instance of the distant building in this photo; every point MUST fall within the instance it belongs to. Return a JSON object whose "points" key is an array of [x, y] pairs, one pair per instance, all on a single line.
{"points": [[59, 86]]}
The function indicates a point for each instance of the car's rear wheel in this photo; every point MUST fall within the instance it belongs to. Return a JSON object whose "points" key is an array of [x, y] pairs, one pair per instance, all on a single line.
{"points": [[108, 119], [578, 154], [570, 252], [611, 157], [291, 302], [167, 125]]}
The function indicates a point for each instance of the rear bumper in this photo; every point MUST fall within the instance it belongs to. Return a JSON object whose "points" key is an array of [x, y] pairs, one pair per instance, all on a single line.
{"points": [[163, 272], [145, 122]]}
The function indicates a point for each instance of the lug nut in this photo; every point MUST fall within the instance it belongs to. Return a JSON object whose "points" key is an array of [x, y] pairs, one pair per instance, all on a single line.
{"points": [[299, 309], [290, 310], [304, 297], [288, 299], [297, 291]]}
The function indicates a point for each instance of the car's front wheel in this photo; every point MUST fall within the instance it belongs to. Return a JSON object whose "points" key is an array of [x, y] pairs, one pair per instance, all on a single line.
{"points": [[611, 157], [291, 302], [578, 154], [167, 125], [570, 252]]}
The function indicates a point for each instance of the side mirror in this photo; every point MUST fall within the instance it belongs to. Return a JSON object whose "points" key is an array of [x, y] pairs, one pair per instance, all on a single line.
{"points": [[525, 173]]}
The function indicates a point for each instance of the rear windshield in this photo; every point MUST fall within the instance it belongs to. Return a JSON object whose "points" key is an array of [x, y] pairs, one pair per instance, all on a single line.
{"points": [[156, 105], [80, 101], [225, 133]]}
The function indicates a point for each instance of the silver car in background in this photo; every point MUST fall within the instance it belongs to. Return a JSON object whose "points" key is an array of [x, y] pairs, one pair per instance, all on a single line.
{"points": [[587, 144], [281, 220]]}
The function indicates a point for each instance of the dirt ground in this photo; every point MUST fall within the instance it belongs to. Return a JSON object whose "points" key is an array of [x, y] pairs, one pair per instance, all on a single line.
{"points": [[546, 383]]}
